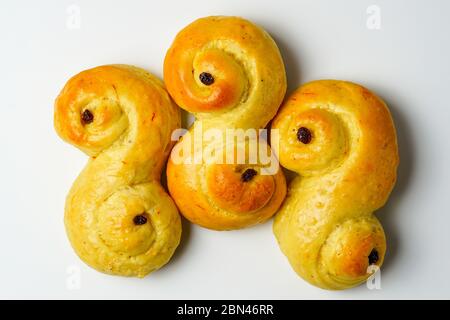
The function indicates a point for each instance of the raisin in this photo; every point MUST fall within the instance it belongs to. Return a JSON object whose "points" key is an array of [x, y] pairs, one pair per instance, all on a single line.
{"points": [[140, 219], [206, 78], [373, 256], [248, 175], [304, 135], [87, 116]]}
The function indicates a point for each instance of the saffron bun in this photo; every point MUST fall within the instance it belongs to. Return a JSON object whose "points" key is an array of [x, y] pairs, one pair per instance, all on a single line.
{"points": [[340, 139], [118, 217], [229, 73]]}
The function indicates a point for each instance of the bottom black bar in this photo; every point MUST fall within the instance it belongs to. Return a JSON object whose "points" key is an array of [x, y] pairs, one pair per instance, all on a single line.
{"points": [[231, 309]]}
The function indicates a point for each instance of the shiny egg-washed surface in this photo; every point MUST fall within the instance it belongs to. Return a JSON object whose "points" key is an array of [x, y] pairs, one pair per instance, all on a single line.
{"points": [[230, 74], [118, 218], [326, 226]]}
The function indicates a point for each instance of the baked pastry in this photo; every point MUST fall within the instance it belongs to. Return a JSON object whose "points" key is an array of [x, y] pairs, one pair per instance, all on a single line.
{"points": [[229, 73], [339, 137], [118, 218]]}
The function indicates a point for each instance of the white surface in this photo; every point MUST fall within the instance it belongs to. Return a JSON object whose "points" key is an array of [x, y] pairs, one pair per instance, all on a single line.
{"points": [[405, 62]]}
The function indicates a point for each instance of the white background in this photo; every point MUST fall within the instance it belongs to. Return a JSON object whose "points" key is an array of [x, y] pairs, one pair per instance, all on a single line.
{"points": [[406, 62]]}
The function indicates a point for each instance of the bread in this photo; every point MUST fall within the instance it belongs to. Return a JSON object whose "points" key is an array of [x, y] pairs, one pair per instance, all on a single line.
{"points": [[339, 137], [118, 218], [229, 73]]}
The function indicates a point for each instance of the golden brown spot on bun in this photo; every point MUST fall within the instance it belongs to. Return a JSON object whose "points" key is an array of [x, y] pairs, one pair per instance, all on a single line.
{"points": [[230, 192]]}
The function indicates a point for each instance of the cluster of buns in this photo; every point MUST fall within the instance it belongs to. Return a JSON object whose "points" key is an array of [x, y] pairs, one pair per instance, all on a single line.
{"points": [[337, 136]]}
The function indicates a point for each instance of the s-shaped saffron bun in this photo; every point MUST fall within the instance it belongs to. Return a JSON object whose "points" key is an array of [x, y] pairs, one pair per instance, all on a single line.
{"points": [[229, 73], [118, 217], [340, 139]]}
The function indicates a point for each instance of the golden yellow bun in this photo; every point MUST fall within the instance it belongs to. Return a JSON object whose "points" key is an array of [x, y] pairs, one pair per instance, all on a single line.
{"points": [[118, 218], [347, 160], [230, 74]]}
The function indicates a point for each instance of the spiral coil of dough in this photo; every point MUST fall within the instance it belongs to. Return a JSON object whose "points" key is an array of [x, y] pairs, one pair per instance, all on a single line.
{"points": [[118, 217], [347, 168], [230, 74]]}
